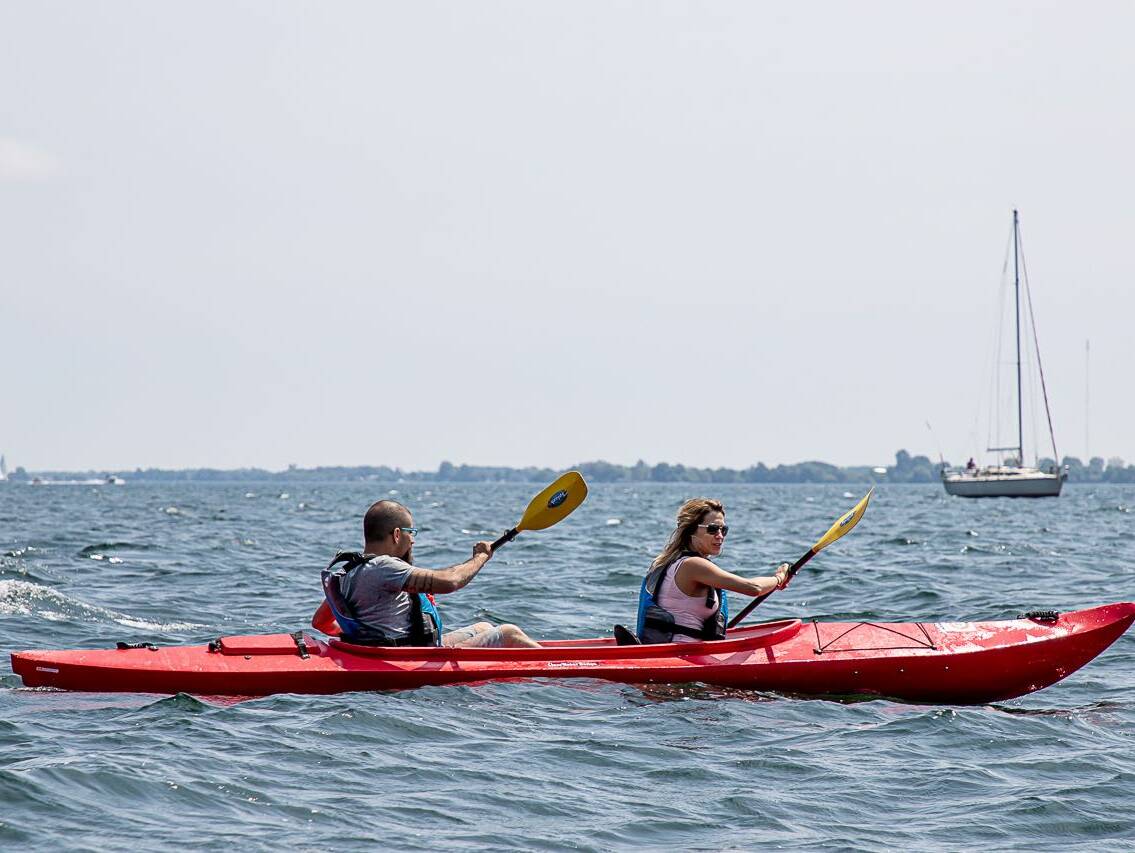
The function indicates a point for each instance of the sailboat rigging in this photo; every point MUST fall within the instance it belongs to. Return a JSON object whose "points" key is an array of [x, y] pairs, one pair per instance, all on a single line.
{"points": [[1011, 478]]}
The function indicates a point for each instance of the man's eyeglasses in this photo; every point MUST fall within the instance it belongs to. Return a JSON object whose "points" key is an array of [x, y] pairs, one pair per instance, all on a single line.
{"points": [[714, 529], [413, 531]]}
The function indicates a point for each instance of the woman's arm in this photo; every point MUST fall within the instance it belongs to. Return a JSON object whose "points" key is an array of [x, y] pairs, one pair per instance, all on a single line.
{"points": [[700, 571]]}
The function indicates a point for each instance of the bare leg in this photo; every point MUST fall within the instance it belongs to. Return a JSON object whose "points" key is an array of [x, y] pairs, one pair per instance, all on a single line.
{"points": [[483, 635]]}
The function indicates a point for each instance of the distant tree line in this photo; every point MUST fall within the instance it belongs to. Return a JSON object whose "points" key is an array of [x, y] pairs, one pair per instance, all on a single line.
{"points": [[906, 469], [1098, 471]]}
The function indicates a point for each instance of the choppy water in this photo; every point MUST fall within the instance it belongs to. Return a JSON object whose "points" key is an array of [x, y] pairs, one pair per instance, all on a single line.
{"points": [[554, 765]]}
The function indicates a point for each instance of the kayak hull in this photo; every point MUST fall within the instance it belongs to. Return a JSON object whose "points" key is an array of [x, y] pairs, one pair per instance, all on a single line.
{"points": [[955, 663]]}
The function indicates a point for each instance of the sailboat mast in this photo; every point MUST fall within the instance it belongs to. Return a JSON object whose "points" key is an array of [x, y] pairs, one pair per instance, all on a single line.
{"points": [[1017, 300]]}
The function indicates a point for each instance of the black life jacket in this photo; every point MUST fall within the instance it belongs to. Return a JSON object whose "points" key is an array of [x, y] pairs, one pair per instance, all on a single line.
{"points": [[656, 624], [425, 621]]}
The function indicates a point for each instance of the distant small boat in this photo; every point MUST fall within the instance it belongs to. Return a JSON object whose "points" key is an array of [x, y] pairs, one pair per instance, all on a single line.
{"points": [[1011, 478]]}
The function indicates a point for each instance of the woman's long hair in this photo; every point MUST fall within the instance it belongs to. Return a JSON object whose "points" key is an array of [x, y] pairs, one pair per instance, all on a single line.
{"points": [[690, 515]]}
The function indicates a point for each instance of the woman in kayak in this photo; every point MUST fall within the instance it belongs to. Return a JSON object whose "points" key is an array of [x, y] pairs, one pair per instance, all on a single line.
{"points": [[682, 598]]}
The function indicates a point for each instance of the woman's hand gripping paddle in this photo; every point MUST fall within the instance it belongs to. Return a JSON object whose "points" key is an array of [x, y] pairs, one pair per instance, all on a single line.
{"points": [[841, 527], [551, 506]]}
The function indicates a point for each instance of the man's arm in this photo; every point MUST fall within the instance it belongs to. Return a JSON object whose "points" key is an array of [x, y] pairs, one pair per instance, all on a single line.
{"points": [[451, 579], [324, 620]]}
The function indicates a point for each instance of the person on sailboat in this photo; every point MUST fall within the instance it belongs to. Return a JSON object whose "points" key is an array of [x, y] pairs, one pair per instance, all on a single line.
{"points": [[970, 465]]}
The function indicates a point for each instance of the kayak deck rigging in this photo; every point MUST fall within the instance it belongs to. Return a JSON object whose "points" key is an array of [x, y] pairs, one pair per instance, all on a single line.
{"points": [[919, 643]]}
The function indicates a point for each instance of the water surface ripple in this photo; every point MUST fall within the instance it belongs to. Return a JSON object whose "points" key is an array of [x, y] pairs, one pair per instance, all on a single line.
{"points": [[554, 765]]}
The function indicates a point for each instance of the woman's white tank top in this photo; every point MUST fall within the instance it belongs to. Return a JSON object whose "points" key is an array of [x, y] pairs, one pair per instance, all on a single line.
{"points": [[688, 610]]}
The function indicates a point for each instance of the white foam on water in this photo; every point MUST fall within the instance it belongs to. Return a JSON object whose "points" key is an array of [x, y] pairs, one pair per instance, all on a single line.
{"points": [[23, 598]]}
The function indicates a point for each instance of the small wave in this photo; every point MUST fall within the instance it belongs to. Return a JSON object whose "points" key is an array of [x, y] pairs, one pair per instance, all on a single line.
{"points": [[113, 560], [1102, 707], [180, 702], [612, 522], [99, 547], [973, 549], [21, 598]]}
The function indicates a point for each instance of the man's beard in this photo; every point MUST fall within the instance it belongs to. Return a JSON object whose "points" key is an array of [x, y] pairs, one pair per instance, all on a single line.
{"points": [[409, 556]]}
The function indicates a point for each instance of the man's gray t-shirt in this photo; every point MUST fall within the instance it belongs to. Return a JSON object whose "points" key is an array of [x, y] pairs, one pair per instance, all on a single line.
{"points": [[374, 590]]}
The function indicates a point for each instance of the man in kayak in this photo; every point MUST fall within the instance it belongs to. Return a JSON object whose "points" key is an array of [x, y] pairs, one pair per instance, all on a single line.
{"points": [[682, 599], [379, 597]]}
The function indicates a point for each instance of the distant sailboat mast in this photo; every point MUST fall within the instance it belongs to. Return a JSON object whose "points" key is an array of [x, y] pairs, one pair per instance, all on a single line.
{"points": [[1017, 301], [1020, 448], [1087, 400]]}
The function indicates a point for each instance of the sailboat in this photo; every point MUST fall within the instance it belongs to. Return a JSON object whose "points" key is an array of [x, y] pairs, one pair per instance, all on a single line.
{"points": [[1010, 478]]}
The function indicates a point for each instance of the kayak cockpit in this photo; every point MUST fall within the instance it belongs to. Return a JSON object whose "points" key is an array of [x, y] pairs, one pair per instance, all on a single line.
{"points": [[599, 648]]}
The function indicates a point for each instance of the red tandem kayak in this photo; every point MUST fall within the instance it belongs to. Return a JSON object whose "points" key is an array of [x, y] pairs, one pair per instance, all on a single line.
{"points": [[951, 662]]}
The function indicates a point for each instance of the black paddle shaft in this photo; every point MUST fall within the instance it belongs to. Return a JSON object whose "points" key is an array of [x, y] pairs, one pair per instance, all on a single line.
{"points": [[507, 537], [792, 570]]}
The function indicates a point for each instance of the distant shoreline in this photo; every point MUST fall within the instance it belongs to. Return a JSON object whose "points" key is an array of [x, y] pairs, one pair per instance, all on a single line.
{"points": [[906, 469]]}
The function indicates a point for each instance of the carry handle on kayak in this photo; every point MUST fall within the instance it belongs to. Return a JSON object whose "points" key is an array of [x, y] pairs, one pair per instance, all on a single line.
{"points": [[844, 525], [551, 506]]}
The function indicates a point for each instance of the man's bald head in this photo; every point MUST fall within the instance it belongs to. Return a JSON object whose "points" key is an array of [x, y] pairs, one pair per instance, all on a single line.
{"points": [[382, 518]]}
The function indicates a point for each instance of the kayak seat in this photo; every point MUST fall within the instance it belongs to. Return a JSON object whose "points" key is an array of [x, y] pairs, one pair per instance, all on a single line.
{"points": [[623, 637]]}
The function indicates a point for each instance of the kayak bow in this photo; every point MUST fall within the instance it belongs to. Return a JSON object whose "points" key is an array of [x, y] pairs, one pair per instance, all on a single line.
{"points": [[950, 662]]}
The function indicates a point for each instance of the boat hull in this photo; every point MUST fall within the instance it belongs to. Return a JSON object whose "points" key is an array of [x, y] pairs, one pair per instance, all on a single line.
{"points": [[1036, 486], [956, 663]]}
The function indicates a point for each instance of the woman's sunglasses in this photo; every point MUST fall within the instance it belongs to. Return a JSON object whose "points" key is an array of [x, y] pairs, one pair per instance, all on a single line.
{"points": [[714, 529]]}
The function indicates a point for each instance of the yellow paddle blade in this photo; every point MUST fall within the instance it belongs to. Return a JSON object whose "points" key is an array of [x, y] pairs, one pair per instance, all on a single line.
{"points": [[555, 503], [845, 523]]}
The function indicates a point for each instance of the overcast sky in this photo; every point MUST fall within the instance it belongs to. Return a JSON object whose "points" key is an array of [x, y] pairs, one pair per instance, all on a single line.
{"points": [[526, 233]]}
